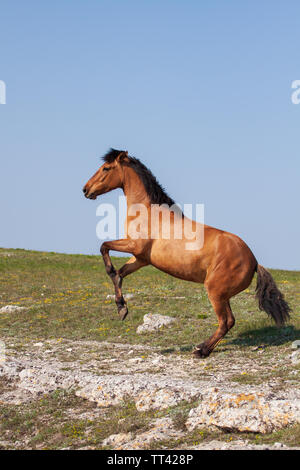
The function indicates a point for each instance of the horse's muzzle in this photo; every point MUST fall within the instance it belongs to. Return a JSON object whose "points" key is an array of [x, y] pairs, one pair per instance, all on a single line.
{"points": [[89, 195]]}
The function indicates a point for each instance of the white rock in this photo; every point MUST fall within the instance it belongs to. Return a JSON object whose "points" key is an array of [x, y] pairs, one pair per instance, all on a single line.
{"points": [[148, 391], [156, 361], [116, 440], [295, 357], [126, 296], [244, 412], [161, 429], [278, 445], [26, 374], [11, 309], [38, 345], [154, 322], [163, 398]]}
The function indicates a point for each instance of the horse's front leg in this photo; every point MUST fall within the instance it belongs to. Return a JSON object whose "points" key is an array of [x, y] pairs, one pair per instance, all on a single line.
{"points": [[117, 276]]}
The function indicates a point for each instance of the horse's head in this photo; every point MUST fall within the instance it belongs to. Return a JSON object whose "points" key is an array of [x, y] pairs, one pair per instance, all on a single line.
{"points": [[108, 177]]}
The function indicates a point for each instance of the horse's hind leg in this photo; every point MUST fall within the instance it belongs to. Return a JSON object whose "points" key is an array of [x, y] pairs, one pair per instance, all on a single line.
{"points": [[226, 321]]}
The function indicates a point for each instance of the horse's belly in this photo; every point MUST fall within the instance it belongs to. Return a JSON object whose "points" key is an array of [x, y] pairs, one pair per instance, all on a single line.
{"points": [[174, 259]]}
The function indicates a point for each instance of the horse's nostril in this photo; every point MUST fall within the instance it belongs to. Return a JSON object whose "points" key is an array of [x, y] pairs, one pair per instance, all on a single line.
{"points": [[84, 190]]}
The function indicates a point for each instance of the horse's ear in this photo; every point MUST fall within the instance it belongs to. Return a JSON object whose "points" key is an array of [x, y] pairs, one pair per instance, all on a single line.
{"points": [[122, 156]]}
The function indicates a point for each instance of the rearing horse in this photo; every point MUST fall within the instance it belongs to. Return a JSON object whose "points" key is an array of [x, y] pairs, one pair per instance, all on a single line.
{"points": [[223, 262]]}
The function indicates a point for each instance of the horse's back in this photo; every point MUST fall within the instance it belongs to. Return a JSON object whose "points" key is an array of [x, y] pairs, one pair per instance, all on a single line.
{"points": [[219, 250]]}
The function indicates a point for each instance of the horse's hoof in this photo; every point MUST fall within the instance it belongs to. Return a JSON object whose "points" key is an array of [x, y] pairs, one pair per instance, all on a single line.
{"points": [[201, 351], [123, 312]]}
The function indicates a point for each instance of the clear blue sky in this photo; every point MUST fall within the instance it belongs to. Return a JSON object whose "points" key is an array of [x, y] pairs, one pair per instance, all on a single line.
{"points": [[200, 91]]}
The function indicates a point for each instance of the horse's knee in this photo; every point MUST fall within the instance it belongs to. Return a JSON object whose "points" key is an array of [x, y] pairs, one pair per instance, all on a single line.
{"points": [[103, 249], [230, 323]]}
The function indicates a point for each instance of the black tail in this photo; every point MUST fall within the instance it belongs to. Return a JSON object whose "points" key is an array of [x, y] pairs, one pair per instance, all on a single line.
{"points": [[270, 299]]}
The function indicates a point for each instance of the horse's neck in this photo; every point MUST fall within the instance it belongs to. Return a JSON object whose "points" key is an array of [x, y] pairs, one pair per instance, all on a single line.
{"points": [[134, 189]]}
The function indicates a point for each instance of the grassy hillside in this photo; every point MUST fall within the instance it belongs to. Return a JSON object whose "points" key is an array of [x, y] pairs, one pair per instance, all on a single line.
{"points": [[66, 300], [66, 296]]}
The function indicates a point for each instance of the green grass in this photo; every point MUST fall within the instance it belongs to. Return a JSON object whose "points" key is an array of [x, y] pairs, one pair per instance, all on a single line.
{"points": [[66, 297], [62, 420]]}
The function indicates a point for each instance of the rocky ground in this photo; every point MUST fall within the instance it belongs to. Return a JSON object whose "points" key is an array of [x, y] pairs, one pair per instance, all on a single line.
{"points": [[176, 394]]}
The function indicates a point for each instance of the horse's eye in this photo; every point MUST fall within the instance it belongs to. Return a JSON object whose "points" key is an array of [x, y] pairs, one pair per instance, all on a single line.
{"points": [[106, 168]]}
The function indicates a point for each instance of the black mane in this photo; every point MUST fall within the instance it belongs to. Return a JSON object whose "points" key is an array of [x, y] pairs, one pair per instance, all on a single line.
{"points": [[155, 191], [111, 155]]}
